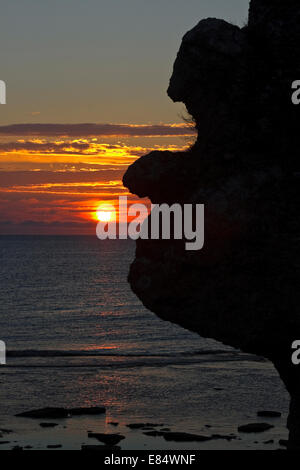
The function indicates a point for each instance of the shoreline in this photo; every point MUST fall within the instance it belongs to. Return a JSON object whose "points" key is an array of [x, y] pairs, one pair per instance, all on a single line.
{"points": [[210, 399], [81, 433]]}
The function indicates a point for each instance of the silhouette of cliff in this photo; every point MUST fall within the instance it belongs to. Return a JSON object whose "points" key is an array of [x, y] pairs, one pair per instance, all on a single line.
{"points": [[242, 289]]}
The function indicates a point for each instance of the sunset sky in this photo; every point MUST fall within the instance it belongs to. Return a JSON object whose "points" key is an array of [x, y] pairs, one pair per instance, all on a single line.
{"points": [[86, 96]]}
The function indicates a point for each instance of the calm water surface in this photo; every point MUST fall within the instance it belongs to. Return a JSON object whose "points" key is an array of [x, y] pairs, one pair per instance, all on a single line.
{"points": [[77, 336]]}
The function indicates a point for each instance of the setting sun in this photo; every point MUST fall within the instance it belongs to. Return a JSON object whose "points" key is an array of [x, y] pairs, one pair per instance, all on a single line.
{"points": [[105, 212], [104, 216]]}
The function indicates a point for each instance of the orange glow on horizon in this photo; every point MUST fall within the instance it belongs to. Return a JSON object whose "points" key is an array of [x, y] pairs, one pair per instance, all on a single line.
{"points": [[60, 185]]}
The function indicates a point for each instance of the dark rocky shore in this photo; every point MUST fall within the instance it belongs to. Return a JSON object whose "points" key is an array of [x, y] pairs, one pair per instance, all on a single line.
{"points": [[242, 288], [108, 441]]}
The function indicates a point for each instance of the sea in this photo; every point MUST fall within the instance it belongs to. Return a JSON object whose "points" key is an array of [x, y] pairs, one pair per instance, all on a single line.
{"points": [[77, 336]]}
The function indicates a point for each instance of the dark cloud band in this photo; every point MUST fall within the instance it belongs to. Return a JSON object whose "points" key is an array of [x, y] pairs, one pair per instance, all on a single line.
{"points": [[97, 130]]}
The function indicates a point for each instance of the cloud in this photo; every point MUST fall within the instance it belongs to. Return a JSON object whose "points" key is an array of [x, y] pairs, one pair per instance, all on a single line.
{"points": [[54, 176], [18, 178], [31, 146], [97, 130]]}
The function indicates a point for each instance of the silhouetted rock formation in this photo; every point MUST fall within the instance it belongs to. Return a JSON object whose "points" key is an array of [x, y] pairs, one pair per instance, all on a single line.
{"points": [[242, 288]]}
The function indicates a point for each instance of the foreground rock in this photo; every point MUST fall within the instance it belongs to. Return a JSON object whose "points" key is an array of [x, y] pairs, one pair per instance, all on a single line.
{"points": [[255, 427], [283, 442], [108, 439], [48, 425], [57, 413], [243, 288], [6, 431], [269, 414], [94, 410]]}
